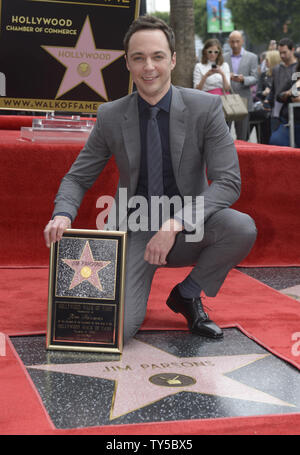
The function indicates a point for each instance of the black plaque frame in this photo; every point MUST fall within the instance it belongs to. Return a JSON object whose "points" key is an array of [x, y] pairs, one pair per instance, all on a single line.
{"points": [[86, 291]]}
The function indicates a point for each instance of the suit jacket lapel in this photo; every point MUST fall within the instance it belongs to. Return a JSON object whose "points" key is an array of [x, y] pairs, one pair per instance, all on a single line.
{"points": [[131, 134], [178, 128], [242, 61]]}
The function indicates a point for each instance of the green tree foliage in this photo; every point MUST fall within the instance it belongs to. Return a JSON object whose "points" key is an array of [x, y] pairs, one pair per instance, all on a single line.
{"points": [[267, 19], [201, 19], [164, 15], [201, 23]]}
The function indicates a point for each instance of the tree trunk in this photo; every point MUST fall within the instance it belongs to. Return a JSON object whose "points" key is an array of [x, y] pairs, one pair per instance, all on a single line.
{"points": [[182, 22]]}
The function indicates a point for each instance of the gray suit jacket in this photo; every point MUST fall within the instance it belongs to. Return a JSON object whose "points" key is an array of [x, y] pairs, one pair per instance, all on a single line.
{"points": [[201, 148], [249, 68]]}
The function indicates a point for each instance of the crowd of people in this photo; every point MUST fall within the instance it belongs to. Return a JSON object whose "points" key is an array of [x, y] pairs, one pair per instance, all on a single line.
{"points": [[268, 83]]}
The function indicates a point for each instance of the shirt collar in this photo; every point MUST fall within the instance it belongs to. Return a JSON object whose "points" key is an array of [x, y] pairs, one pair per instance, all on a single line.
{"points": [[240, 54], [163, 104]]}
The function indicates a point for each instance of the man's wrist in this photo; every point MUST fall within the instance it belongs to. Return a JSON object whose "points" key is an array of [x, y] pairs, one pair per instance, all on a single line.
{"points": [[172, 225], [62, 214]]}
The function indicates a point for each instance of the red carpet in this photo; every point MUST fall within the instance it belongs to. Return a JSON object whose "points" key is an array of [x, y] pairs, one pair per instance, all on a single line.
{"points": [[260, 312], [31, 173], [29, 180], [270, 194]]}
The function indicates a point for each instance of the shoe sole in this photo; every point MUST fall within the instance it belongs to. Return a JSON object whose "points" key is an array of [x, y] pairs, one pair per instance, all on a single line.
{"points": [[215, 337]]}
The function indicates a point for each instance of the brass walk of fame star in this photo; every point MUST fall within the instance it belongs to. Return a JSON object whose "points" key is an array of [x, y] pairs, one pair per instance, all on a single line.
{"points": [[84, 63], [86, 268], [145, 374]]}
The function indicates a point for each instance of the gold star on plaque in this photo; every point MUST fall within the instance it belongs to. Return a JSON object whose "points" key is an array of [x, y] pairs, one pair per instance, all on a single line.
{"points": [[86, 268]]}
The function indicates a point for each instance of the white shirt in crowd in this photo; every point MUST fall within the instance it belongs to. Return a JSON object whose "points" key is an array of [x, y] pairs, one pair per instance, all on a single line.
{"points": [[213, 81]]}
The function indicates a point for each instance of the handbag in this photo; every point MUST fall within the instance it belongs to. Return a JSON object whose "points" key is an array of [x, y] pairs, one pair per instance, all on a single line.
{"points": [[234, 106]]}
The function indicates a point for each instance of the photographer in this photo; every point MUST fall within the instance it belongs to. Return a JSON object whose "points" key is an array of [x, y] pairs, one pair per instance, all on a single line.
{"points": [[289, 94]]}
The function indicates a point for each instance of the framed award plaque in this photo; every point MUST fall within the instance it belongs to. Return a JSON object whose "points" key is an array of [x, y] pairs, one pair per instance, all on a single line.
{"points": [[86, 291]]}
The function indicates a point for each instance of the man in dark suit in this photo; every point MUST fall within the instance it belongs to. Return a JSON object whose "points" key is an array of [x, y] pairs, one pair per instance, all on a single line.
{"points": [[281, 77], [243, 74], [195, 145]]}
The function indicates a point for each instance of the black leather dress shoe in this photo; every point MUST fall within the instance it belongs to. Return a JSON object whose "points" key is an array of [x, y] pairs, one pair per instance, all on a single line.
{"points": [[192, 310]]}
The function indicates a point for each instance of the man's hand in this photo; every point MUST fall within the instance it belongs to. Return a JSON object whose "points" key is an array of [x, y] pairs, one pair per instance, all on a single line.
{"points": [[211, 72], [161, 243], [266, 91], [237, 77], [55, 228]]}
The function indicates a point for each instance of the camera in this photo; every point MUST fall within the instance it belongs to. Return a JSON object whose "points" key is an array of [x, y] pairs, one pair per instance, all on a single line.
{"points": [[214, 66]]}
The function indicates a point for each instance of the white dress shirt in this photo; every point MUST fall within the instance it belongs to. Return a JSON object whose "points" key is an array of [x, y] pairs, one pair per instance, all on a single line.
{"points": [[213, 81]]}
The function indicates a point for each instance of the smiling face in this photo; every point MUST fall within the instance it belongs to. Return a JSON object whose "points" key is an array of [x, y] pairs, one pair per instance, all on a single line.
{"points": [[150, 63]]}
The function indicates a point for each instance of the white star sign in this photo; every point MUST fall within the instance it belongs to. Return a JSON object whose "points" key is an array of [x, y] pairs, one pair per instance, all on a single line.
{"points": [[84, 63], [145, 374]]}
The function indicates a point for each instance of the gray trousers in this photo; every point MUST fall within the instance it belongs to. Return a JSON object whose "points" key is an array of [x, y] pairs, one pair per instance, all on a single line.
{"points": [[242, 128], [228, 238]]}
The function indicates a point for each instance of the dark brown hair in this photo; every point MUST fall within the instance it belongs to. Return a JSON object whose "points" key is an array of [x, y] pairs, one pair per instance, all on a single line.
{"points": [[209, 43], [287, 42], [148, 22]]}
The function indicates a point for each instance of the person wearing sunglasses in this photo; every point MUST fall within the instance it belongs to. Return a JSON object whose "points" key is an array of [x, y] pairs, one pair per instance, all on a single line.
{"points": [[212, 74]]}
